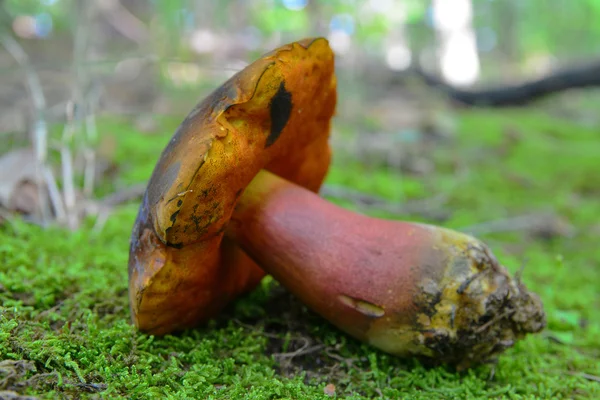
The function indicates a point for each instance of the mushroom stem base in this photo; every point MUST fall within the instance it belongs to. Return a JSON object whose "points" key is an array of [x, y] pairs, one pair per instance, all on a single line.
{"points": [[406, 288]]}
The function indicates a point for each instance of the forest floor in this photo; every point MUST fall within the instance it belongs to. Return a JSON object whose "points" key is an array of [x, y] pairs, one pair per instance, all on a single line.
{"points": [[525, 182]]}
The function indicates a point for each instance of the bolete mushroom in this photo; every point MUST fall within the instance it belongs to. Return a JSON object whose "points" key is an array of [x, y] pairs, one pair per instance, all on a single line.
{"points": [[238, 184], [274, 114], [406, 288]]}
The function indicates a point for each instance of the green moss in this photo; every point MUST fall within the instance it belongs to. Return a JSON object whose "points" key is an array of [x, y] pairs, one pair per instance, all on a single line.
{"points": [[64, 319]]}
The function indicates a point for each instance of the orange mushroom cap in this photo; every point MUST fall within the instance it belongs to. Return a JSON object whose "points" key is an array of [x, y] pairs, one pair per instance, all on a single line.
{"points": [[275, 114]]}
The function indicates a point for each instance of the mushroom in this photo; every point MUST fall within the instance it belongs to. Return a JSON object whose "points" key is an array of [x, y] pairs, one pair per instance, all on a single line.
{"points": [[236, 188], [406, 288], [275, 115]]}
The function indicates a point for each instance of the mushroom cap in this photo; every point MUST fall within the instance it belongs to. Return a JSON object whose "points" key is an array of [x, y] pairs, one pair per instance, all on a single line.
{"points": [[274, 114]]}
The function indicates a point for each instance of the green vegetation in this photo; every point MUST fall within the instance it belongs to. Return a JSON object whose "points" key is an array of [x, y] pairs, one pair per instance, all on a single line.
{"points": [[64, 319]]}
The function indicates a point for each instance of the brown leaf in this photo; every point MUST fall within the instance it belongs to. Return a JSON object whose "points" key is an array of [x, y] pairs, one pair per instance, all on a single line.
{"points": [[18, 188]]}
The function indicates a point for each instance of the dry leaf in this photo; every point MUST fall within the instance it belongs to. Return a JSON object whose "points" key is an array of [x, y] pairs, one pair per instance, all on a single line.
{"points": [[18, 188]]}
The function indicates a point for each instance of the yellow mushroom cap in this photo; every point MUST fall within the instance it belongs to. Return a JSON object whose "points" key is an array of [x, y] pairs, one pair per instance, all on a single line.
{"points": [[274, 114]]}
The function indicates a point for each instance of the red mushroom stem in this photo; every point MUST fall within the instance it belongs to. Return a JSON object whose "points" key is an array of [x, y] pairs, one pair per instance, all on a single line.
{"points": [[407, 288]]}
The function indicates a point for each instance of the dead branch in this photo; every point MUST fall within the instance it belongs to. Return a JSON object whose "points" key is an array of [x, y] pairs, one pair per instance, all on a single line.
{"points": [[544, 224], [429, 208], [124, 21], [40, 130], [123, 196], [583, 375], [300, 352]]}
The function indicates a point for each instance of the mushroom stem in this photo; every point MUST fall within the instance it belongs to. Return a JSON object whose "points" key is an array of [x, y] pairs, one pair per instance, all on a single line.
{"points": [[406, 288]]}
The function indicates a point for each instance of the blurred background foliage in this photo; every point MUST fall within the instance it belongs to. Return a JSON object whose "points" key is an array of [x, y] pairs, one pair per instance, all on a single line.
{"points": [[193, 42], [141, 58], [92, 90], [66, 63]]}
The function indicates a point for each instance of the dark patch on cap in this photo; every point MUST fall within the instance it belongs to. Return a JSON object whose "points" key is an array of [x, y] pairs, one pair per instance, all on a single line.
{"points": [[280, 109], [173, 217], [175, 245], [178, 245]]}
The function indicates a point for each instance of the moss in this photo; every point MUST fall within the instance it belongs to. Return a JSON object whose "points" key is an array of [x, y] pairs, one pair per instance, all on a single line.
{"points": [[64, 319]]}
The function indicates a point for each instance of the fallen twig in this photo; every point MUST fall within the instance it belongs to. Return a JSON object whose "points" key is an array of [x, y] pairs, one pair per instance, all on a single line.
{"points": [[545, 224], [89, 153], [349, 362], [54, 194], [124, 21], [429, 208], [124, 195], [304, 350], [266, 334], [494, 320], [583, 375]]}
